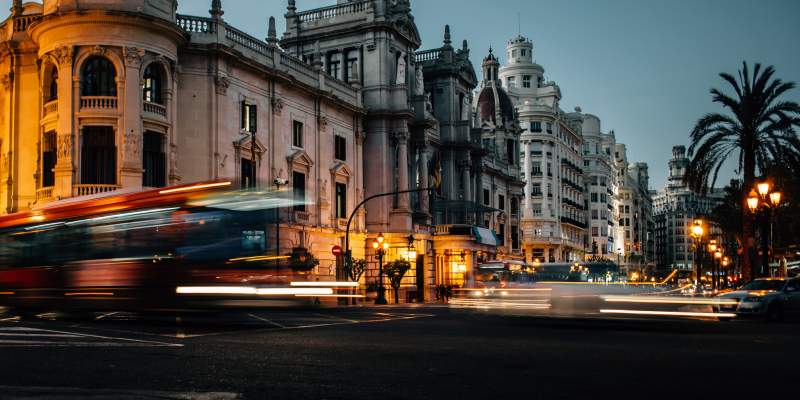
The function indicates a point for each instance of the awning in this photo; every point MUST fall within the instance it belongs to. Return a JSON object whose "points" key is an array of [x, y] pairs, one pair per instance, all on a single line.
{"points": [[485, 236]]}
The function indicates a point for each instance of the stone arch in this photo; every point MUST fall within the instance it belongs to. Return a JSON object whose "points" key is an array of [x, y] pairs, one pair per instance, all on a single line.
{"points": [[165, 74], [48, 77], [85, 53]]}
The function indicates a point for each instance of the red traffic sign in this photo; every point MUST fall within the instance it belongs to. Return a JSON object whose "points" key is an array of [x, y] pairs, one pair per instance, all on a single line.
{"points": [[337, 250]]}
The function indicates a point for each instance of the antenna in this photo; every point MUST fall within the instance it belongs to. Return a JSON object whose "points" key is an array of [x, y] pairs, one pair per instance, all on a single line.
{"points": [[519, 25]]}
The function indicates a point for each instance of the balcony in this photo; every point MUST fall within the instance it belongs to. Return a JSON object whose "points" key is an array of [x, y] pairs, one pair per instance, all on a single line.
{"points": [[90, 189], [155, 109], [302, 216], [100, 103], [44, 194], [50, 108], [568, 220]]}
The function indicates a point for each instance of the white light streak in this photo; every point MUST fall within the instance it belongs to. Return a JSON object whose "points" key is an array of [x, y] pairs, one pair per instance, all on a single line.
{"points": [[324, 284], [670, 313]]}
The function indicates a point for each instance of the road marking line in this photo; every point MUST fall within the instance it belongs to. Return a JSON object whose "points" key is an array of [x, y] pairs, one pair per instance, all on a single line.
{"points": [[335, 317], [267, 321], [112, 338], [105, 315], [40, 335]]}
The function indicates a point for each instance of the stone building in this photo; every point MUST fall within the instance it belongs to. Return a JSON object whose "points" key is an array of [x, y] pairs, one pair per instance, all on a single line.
{"points": [[674, 209], [634, 227], [553, 221], [600, 179], [126, 95]]}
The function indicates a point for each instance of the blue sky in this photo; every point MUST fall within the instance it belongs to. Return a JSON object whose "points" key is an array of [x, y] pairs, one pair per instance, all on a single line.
{"points": [[643, 66]]}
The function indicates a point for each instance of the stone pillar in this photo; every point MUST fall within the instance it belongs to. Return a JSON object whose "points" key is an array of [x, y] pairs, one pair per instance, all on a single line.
{"points": [[68, 95], [402, 169], [131, 160], [423, 177], [466, 164]]}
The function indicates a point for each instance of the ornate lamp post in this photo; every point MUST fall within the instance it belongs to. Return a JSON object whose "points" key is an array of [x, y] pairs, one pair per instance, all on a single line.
{"points": [[697, 234], [764, 198], [381, 248]]}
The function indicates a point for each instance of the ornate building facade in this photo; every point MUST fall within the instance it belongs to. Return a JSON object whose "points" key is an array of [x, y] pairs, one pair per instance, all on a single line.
{"points": [[126, 95]]}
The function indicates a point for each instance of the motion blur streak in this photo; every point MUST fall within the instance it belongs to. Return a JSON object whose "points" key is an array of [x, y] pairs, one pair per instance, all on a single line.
{"points": [[195, 187], [215, 290], [349, 296], [260, 258], [488, 303], [324, 284], [293, 291], [122, 215], [599, 283], [88, 294], [666, 300], [509, 290], [670, 313]]}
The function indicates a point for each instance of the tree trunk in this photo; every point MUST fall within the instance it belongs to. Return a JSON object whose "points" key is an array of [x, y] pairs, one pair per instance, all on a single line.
{"points": [[748, 239], [396, 295]]}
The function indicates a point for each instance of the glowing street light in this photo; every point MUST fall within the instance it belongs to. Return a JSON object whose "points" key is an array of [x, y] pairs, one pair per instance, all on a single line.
{"points": [[381, 248]]}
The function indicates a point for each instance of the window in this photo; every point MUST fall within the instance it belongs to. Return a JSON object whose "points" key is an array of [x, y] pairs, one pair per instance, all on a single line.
{"points": [[297, 134], [536, 189], [594, 232], [536, 168], [248, 178], [99, 78], [299, 190], [501, 202], [341, 200], [152, 84], [514, 237], [526, 80], [340, 148], [513, 53], [153, 160], [49, 159], [510, 81], [549, 127], [594, 214], [98, 156], [537, 209], [523, 52], [52, 93], [502, 234], [536, 126], [510, 151], [351, 65], [514, 206], [486, 197], [249, 117], [594, 180], [594, 197], [333, 69], [603, 198]]}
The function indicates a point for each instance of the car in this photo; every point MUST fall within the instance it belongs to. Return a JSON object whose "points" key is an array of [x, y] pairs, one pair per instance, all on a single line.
{"points": [[769, 298]]}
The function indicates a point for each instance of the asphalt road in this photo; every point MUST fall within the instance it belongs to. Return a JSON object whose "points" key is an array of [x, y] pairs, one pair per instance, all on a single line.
{"points": [[393, 352]]}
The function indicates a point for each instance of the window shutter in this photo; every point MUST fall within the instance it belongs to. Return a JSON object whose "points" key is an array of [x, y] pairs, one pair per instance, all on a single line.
{"points": [[243, 118], [253, 118]]}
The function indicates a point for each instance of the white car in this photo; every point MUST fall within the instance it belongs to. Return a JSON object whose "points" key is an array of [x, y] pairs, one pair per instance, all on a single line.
{"points": [[770, 298]]}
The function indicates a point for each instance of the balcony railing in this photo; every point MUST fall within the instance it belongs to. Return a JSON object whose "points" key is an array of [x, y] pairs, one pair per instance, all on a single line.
{"points": [[44, 194], [155, 108], [248, 41], [332, 11], [51, 107], [568, 220], [194, 24], [90, 189], [99, 102], [427, 55]]}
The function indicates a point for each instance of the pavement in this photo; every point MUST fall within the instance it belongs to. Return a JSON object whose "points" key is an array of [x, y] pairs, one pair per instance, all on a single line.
{"points": [[394, 352]]}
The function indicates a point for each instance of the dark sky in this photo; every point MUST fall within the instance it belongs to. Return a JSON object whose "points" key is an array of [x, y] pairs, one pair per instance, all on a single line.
{"points": [[643, 66]]}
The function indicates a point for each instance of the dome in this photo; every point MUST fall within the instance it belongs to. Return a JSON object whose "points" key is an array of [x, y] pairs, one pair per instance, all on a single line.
{"points": [[488, 101]]}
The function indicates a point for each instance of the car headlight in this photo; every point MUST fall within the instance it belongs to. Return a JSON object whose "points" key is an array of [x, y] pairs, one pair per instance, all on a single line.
{"points": [[752, 299]]}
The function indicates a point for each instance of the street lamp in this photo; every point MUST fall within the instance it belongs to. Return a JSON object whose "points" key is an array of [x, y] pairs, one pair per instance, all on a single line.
{"points": [[764, 197], [381, 248], [697, 234]]}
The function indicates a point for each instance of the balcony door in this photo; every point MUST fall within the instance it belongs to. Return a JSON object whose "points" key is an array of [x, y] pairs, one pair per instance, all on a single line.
{"points": [[98, 156]]}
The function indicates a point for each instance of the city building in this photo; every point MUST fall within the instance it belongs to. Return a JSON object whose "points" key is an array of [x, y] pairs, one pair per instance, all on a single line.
{"points": [[675, 207], [633, 213], [126, 95], [600, 177], [553, 212]]}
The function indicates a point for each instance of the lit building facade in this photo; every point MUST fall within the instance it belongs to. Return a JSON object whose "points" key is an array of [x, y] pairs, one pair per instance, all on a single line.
{"points": [[126, 95], [553, 223], [675, 208]]}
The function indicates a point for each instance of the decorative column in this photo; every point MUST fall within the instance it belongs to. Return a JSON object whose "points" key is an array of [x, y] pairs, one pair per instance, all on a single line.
{"points": [[466, 164], [68, 91], [401, 216], [527, 212], [131, 163], [423, 177]]}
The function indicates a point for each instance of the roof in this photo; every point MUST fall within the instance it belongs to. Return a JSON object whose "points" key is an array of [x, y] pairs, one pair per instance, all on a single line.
{"points": [[488, 101]]}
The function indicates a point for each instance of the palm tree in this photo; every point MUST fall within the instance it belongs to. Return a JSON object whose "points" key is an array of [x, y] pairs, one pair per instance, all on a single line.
{"points": [[757, 129]]}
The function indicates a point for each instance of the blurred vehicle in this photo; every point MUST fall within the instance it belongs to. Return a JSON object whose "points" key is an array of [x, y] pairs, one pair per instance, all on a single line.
{"points": [[494, 274], [770, 298], [187, 246]]}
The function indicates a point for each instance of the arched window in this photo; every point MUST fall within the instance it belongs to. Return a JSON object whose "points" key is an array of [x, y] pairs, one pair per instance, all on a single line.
{"points": [[152, 83], [98, 78], [51, 85]]}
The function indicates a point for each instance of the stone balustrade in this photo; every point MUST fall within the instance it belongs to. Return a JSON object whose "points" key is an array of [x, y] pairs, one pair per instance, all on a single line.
{"points": [[49, 108], [155, 108], [332, 11], [99, 102], [44, 194], [90, 189]]}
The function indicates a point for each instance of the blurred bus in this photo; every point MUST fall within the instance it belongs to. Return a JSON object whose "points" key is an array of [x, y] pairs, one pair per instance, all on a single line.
{"points": [[503, 273], [187, 246]]}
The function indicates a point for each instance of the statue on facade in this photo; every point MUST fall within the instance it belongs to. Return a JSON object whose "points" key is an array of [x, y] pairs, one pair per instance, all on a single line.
{"points": [[323, 189], [465, 108], [428, 104], [401, 70], [419, 85]]}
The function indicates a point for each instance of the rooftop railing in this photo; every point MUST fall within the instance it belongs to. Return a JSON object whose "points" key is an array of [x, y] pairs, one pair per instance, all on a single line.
{"points": [[427, 55], [332, 11], [194, 24], [248, 41]]}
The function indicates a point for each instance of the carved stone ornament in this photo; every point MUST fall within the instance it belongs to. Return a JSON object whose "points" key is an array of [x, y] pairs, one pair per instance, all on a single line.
{"points": [[6, 80], [222, 84], [133, 144], [173, 159], [99, 50], [63, 55], [401, 136], [361, 136], [323, 123], [64, 146], [277, 105], [133, 56]]}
